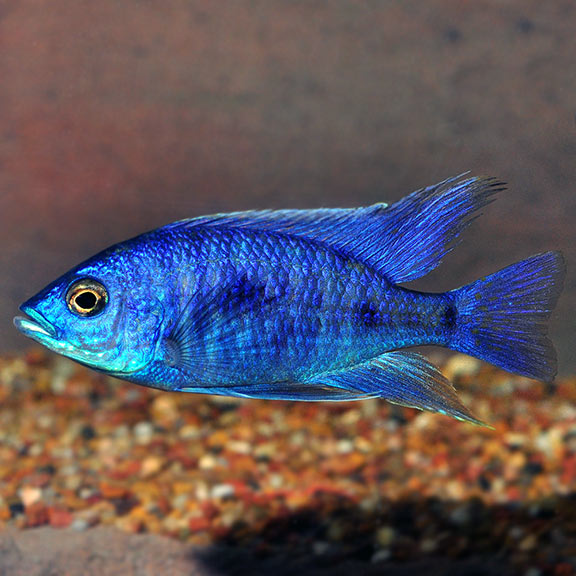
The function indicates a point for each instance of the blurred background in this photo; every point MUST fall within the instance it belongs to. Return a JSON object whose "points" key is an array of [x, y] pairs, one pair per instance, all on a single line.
{"points": [[120, 117]]}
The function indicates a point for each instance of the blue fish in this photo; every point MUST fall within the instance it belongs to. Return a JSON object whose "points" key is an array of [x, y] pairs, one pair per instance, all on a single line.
{"points": [[302, 304]]}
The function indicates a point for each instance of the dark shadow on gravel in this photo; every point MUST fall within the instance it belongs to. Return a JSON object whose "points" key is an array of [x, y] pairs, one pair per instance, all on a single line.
{"points": [[225, 561], [428, 537]]}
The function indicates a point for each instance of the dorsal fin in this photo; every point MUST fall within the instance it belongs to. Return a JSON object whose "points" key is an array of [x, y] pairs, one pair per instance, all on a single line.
{"points": [[423, 227], [403, 241], [325, 224]]}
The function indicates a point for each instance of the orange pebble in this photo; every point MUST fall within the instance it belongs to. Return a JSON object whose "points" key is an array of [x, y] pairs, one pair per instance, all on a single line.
{"points": [[59, 517], [112, 491], [198, 524], [36, 515]]}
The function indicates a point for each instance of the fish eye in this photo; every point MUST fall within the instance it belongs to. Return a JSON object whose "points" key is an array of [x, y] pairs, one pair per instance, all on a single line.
{"points": [[86, 297]]}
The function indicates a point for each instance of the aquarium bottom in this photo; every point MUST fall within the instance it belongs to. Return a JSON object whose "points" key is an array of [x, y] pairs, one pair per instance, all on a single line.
{"points": [[102, 477]]}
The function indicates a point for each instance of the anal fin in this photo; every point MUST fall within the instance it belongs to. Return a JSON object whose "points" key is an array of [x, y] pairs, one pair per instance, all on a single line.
{"points": [[403, 378]]}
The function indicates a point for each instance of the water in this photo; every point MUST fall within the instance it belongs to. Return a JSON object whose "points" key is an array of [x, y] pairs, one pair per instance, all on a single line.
{"points": [[115, 119]]}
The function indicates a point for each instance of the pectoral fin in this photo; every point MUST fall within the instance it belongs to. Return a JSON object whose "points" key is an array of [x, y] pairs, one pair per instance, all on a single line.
{"points": [[208, 324]]}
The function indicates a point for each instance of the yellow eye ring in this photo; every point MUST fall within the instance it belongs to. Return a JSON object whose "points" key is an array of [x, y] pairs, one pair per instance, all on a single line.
{"points": [[86, 297]]}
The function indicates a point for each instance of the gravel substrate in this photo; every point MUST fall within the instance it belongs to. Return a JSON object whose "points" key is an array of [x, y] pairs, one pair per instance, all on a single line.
{"points": [[357, 487]]}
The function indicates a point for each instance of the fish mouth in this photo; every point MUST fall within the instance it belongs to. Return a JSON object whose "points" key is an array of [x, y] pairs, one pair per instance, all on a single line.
{"points": [[42, 331], [35, 326]]}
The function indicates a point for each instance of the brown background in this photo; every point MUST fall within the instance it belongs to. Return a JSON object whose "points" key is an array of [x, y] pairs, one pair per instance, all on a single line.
{"points": [[117, 117]]}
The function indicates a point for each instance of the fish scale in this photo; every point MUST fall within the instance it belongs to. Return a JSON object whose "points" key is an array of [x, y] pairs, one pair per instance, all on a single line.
{"points": [[321, 336]]}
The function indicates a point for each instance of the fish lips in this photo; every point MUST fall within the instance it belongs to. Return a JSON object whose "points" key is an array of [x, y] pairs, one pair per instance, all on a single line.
{"points": [[36, 327]]}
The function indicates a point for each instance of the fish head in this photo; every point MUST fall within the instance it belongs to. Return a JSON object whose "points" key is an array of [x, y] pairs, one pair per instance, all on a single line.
{"points": [[101, 314]]}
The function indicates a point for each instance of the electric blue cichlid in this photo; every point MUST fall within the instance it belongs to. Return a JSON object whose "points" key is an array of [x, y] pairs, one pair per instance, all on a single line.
{"points": [[302, 304]]}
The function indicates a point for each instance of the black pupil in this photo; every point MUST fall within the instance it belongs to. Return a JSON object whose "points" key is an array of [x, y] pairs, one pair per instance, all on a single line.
{"points": [[86, 300]]}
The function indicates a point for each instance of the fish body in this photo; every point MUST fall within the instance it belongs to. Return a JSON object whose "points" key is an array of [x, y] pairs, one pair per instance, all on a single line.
{"points": [[285, 310], [301, 304]]}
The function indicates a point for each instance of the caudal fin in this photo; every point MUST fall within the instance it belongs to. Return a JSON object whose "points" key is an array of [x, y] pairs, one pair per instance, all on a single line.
{"points": [[502, 318]]}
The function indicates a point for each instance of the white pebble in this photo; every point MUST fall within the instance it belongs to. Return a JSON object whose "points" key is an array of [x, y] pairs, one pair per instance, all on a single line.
{"points": [[189, 432], [143, 432], [381, 556], [345, 446], [239, 447], [79, 524], [221, 491], [460, 365], [320, 548]]}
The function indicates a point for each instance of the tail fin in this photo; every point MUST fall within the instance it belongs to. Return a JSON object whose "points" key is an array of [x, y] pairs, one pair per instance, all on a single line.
{"points": [[502, 318]]}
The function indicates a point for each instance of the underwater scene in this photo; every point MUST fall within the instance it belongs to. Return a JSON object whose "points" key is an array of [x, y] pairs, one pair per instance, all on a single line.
{"points": [[286, 287]]}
